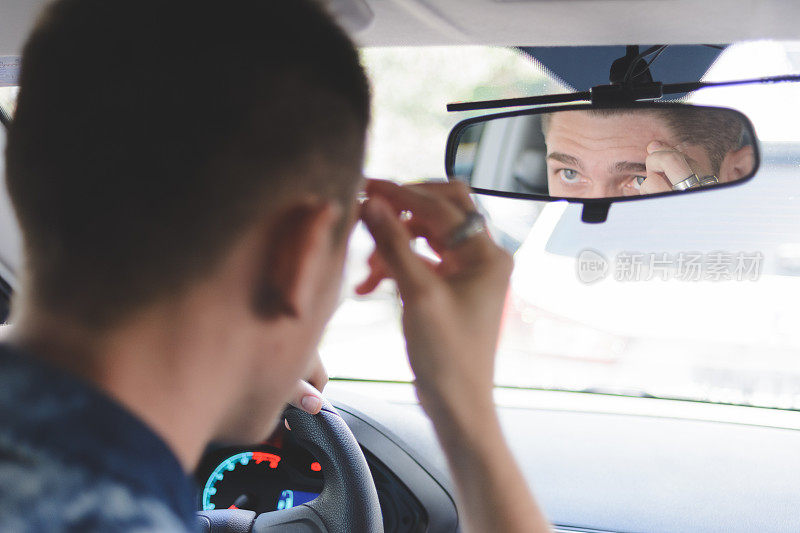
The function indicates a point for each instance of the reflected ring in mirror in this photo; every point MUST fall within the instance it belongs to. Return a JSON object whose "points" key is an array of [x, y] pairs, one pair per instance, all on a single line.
{"points": [[689, 183], [708, 180], [473, 225]]}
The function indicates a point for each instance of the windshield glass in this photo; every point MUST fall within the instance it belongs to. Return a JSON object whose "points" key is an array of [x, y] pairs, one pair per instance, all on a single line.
{"points": [[695, 299], [8, 98], [687, 297]]}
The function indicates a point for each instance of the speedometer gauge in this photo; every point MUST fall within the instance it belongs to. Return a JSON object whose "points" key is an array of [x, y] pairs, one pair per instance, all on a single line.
{"points": [[260, 480], [280, 474]]}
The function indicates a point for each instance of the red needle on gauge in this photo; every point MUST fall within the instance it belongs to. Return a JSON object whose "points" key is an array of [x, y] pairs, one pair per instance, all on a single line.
{"points": [[242, 502]]}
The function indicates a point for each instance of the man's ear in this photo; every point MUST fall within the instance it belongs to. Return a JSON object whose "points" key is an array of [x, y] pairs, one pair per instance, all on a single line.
{"points": [[298, 243], [738, 164]]}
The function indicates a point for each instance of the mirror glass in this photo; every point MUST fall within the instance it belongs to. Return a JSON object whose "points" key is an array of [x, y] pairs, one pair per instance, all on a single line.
{"points": [[604, 153]]}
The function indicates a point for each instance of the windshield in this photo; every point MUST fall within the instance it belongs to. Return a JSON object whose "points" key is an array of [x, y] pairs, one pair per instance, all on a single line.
{"points": [[695, 301], [687, 297], [8, 97]]}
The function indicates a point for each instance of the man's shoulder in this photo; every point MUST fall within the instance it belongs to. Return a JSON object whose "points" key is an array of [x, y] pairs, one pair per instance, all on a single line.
{"points": [[40, 492], [72, 459]]}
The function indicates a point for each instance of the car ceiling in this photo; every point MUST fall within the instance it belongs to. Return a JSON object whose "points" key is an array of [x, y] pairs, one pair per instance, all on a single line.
{"points": [[578, 22], [526, 22]]}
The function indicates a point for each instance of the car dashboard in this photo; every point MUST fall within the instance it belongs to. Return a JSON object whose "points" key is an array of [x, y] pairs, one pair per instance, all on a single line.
{"points": [[279, 474], [596, 463]]}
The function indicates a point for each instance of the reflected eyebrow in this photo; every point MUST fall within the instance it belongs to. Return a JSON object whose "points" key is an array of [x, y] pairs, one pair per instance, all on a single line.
{"points": [[565, 158], [629, 166]]}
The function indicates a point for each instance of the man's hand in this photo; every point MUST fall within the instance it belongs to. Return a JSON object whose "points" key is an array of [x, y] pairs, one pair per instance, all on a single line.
{"points": [[451, 319], [666, 166], [307, 394], [451, 310]]}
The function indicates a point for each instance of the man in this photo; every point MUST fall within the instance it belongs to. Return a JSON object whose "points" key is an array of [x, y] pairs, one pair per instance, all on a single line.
{"points": [[185, 175], [612, 153]]}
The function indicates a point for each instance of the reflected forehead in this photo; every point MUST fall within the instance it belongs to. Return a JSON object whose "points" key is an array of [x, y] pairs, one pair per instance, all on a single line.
{"points": [[593, 131], [612, 145]]}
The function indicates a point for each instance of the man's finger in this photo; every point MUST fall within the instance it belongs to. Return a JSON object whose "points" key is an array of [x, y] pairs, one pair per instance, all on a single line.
{"points": [[371, 283], [392, 240], [455, 191], [434, 212], [667, 161], [377, 273], [307, 398], [655, 183], [437, 209]]}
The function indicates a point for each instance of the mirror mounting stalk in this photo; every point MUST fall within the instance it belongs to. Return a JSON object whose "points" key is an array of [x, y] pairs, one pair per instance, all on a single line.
{"points": [[630, 80], [622, 69], [595, 212]]}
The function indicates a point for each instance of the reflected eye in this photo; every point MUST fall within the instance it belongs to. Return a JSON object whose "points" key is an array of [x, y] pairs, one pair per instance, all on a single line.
{"points": [[637, 182], [569, 175]]}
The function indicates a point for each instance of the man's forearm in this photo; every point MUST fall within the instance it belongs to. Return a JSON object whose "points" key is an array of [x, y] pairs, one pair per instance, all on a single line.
{"points": [[451, 318], [492, 494]]}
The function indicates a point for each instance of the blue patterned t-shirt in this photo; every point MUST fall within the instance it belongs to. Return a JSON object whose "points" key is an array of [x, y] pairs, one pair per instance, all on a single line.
{"points": [[73, 459]]}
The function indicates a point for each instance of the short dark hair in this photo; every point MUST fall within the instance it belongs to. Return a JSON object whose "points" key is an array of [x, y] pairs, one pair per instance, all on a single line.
{"points": [[149, 134], [717, 130]]}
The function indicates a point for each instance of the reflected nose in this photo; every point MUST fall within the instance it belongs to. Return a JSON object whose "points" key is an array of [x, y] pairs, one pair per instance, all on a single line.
{"points": [[606, 189]]}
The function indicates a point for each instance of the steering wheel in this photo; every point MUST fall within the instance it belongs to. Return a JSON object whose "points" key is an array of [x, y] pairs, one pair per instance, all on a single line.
{"points": [[348, 501]]}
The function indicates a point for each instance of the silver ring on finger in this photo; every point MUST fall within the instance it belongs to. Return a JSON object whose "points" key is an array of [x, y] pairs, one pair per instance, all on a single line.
{"points": [[689, 183], [473, 225], [711, 179]]}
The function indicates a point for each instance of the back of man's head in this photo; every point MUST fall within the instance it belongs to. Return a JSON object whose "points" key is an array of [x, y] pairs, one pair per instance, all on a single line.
{"points": [[150, 133]]}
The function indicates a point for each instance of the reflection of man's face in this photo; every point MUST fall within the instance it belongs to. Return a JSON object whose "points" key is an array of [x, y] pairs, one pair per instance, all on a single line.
{"points": [[595, 156]]}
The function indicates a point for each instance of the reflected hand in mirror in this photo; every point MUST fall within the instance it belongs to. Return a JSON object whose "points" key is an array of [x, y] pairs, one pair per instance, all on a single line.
{"points": [[607, 153]]}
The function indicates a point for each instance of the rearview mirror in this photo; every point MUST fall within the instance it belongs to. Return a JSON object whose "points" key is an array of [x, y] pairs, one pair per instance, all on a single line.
{"points": [[585, 152]]}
